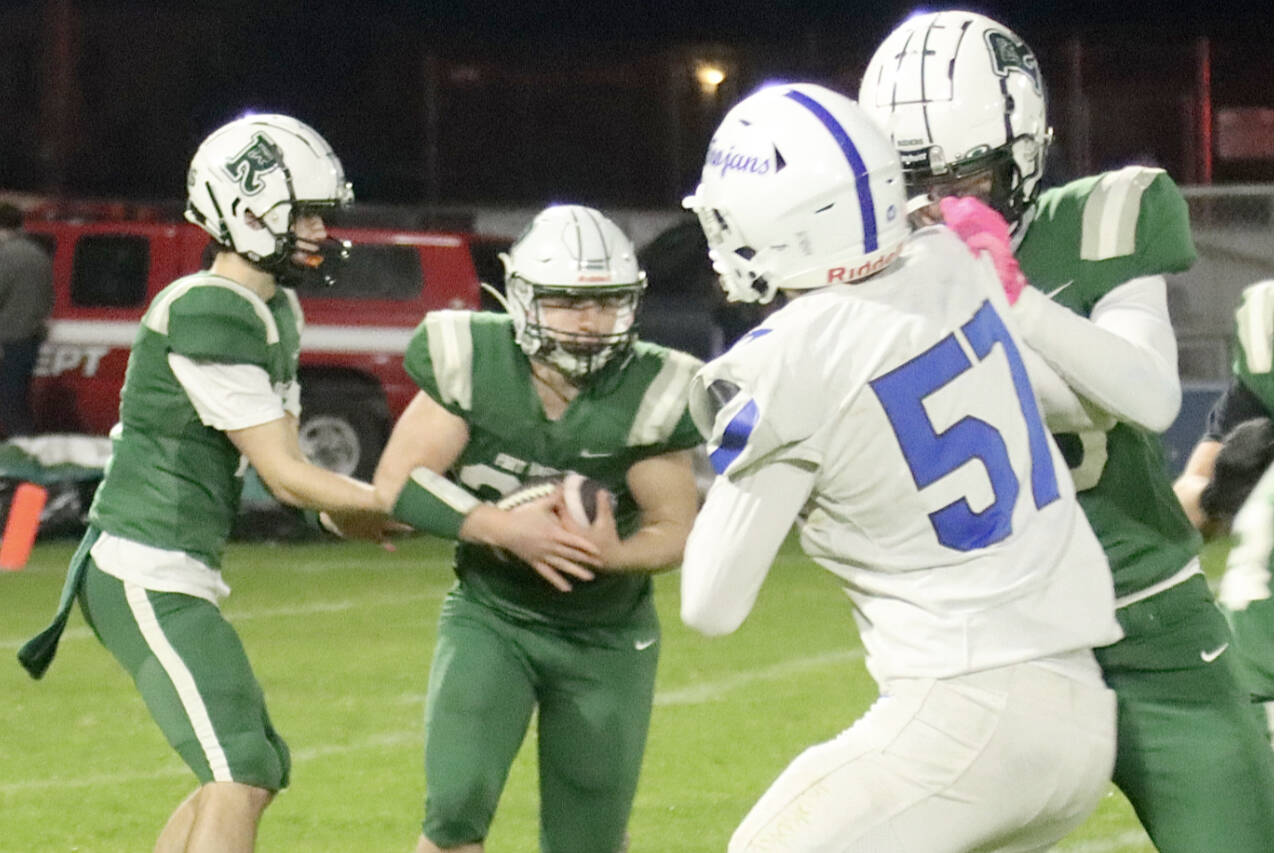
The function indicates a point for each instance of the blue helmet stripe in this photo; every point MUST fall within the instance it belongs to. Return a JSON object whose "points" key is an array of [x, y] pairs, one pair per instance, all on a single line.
{"points": [[870, 241]]}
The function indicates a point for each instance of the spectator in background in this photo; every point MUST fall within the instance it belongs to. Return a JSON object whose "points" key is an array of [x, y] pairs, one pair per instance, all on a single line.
{"points": [[26, 299]]}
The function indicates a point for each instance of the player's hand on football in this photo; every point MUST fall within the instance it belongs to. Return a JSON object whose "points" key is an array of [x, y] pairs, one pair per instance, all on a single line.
{"points": [[533, 533], [602, 531]]}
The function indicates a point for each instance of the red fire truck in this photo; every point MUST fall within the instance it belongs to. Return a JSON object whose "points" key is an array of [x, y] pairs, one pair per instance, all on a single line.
{"points": [[110, 260]]}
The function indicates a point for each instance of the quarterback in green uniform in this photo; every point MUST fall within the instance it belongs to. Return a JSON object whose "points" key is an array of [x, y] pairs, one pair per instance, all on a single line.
{"points": [[963, 98], [211, 386], [546, 614]]}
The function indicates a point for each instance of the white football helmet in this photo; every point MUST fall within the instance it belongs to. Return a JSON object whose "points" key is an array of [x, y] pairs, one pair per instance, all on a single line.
{"points": [[573, 253], [960, 95], [272, 166], [799, 190]]}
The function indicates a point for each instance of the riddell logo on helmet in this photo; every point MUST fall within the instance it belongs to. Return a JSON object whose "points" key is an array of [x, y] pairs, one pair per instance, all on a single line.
{"points": [[848, 274], [914, 159], [586, 279]]}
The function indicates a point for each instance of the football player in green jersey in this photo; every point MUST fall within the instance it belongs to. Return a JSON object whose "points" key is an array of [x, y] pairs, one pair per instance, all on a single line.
{"points": [[1247, 592], [211, 385], [964, 100], [546, 614], [1249, 396]]}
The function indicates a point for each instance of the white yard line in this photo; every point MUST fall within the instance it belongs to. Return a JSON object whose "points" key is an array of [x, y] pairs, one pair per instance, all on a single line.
{"points": [[235, 616], [712, 690], [174, 768], [697, 694], [707, 692]]}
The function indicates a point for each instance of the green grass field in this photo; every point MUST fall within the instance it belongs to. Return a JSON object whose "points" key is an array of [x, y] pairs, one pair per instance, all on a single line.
{"points": [[341, 636]]}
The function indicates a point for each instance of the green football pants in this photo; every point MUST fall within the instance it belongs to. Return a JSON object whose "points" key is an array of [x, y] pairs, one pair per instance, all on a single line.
{"points": [[192, 672], [1192, 756], [593, 695]]}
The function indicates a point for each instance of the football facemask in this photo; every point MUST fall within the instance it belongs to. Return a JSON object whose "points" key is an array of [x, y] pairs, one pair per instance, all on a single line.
{"points": [[573, 288]]}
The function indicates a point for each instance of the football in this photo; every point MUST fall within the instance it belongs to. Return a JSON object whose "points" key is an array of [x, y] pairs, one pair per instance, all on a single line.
{"points": [[580, 495]]}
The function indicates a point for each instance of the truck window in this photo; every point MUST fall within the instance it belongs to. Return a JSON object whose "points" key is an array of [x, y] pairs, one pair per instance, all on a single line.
{"points": [[110, 271], [371, 272]]}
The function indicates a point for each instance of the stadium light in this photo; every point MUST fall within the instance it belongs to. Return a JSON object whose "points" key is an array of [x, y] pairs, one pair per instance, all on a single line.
{"points": [[709, 76]]}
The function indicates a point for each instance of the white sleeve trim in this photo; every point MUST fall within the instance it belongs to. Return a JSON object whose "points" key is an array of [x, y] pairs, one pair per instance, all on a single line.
{"points": [[735, 537], [445, 490], [449, 342], [228, 396], [293, 399], [1123, 357]]}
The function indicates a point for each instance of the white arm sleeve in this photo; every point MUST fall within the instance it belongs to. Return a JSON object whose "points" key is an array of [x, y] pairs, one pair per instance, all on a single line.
{"points": [[736, 535], [1062, 408], [228, 396], [1124, 357]]}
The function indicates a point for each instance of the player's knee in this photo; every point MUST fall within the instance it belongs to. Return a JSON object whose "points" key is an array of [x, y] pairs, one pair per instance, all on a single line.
{"points": [[255, 759], [460, 814], [235, 797]]}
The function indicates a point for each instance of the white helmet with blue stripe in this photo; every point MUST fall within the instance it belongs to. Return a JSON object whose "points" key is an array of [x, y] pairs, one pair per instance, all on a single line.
{"points": [[800, 190]]}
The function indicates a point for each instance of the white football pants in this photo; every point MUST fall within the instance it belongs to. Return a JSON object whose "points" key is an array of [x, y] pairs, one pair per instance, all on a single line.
{"points": [[1008, 759]]}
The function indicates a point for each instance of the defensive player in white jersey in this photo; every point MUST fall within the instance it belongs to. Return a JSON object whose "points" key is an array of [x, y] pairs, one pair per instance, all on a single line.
{"points": [[211, 385], [963, 99], [889, 407]]}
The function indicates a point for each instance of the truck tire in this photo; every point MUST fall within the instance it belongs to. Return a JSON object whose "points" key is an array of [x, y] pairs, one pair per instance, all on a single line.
{"points": [[343, 427]]}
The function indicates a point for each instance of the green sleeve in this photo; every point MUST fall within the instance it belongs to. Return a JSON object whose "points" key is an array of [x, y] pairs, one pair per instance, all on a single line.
{"points": [[219, 325], [439, 359], [1164, 229]]}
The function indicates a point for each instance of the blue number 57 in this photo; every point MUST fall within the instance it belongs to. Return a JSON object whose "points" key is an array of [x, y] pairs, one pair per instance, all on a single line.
{"points": [[932, 455]]}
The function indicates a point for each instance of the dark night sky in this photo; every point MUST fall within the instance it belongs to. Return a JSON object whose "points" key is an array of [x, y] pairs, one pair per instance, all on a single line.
{"points": [[151, 79]]}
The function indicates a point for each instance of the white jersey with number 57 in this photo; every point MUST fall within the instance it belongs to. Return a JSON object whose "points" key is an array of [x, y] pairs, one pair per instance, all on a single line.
{"points": [[897, 418]]}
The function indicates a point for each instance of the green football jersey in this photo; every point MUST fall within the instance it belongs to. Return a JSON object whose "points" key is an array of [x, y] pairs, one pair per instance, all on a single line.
{"points": [[1085, 239], [173, 482], [1253, 356], [635, 408]]}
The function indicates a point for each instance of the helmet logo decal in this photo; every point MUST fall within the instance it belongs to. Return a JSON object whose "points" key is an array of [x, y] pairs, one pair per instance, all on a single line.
{"points": [[733, 161], [1009, 54], [258, 157]]}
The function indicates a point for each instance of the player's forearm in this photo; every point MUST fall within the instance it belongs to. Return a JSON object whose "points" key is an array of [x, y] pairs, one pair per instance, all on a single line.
{"points": [[1061, 406], [733, 543], [1127, 365], [654, 548], [298, 483], [1195, 476]]}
